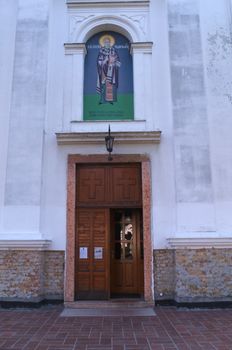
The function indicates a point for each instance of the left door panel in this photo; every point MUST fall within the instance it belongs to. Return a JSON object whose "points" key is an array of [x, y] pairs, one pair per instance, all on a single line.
{"points": [[92, 249]]}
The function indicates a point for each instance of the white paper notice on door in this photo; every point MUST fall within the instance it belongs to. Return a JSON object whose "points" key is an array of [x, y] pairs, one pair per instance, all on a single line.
{"points": [[98, 253], [83, 253]]}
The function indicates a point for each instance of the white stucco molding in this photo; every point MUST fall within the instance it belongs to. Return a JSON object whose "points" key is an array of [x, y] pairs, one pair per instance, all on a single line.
{"points": [[24, 244], [150, 137], [105, 3], [199, 242], [75, 49], [142, 47]]}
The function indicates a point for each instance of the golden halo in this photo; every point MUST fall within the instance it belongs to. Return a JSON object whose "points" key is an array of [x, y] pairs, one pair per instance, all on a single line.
{"points": [[106, 36]]}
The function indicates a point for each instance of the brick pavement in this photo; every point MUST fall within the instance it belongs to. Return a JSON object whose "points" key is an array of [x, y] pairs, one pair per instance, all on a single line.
{"points": [[44, 329]]}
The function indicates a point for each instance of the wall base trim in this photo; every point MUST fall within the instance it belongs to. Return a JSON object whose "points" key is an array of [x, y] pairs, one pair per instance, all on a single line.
{"points": [[12, 304], [195, 305], [24, 244], [199, 242]]}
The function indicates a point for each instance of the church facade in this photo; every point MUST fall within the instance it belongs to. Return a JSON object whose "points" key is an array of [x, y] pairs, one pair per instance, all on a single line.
{"points": [[148, 216]]}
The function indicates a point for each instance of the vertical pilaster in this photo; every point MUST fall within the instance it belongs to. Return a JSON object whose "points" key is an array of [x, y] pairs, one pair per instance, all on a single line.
{"points": [[142, 77], [28, 106], [217, 49], [76, 81], [8, 19], [194, 189]]}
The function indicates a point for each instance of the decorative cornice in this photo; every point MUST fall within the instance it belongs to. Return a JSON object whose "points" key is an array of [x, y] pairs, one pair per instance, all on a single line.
{"points": [[24, 244], [106, 3], [199, 242], [144, 47], [72, 48], [76, 138]]}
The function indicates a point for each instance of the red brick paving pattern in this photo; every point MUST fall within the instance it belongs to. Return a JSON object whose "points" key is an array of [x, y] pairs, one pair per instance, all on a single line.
{"points": [[44, 329]]}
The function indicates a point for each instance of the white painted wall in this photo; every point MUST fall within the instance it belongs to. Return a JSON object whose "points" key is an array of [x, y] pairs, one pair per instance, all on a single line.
{"points": [[8, 17], [21, 213], [190, 102], [217, 37]]}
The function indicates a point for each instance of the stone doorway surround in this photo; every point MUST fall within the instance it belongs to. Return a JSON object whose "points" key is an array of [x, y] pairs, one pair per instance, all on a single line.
{"points": [[73, 160]]}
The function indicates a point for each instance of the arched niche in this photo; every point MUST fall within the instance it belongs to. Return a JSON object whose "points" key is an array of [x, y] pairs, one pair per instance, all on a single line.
{"points": [[108, 23], [109, 27], [75, 59], [108, 78]]}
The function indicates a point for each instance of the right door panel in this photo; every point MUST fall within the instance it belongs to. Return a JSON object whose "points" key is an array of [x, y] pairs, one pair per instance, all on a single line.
{"points": [[126, 256]]}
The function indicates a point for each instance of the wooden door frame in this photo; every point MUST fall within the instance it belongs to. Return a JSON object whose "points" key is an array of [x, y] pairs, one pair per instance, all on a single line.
{"points": [[73, 161]]}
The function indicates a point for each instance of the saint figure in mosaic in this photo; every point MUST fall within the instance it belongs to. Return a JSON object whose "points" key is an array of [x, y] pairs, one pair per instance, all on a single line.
{"points": [[108, 64]]}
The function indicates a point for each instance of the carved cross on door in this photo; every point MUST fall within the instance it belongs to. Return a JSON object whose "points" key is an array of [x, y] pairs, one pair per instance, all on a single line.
{"points": [[127, 184], [92, 182], [114, 185]]}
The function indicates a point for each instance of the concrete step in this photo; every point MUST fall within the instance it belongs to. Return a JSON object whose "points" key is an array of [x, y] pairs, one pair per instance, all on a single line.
{"points": [[101, 304], [108, 312]]}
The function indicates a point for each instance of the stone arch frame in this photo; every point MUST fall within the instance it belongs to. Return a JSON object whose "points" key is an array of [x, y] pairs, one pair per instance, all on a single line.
{"points": [[141, 57], [73, 160], [104, 23]]}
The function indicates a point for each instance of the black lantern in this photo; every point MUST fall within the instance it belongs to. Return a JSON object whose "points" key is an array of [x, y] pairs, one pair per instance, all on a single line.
{"points": [[109, 140]]}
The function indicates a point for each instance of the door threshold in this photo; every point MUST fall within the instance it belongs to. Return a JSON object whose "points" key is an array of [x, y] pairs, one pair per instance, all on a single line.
{"points": [[111, 303], [125, 296]]}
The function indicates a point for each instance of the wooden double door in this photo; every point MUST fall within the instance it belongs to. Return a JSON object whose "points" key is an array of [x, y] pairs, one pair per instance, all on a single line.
{"points": [[109, 235]]}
